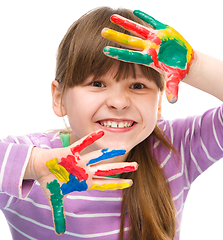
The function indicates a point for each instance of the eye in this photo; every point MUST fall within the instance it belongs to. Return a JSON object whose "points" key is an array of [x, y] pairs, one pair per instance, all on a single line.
{"points": [[97, 84], [137, 86]]}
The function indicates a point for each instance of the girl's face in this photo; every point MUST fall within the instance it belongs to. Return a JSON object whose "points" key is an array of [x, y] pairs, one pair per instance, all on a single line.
{"points": [[125, 110]]}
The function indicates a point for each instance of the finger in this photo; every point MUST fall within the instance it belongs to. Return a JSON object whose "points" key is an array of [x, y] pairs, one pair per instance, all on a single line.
{"points": [[128, 55], [111, 185], [135, 28], [86, 141], [172, 87], [56, 201], [115, 168], [150, 20], [106, 154], [132, 27], [123, 39]]}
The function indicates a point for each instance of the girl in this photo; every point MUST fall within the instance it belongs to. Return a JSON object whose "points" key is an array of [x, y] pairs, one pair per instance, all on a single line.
{"points": [[117, 104]]}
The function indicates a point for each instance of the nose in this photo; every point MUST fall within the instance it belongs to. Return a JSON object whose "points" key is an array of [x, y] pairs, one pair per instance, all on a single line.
{"points": [[118, 100]]}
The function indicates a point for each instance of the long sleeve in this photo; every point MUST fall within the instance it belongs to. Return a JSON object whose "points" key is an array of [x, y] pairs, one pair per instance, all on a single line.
{"points": [[14, 157], [201, 142]]}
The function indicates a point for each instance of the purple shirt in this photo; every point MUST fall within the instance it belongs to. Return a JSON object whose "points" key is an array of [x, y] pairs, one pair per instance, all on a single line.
{"points": [[95, 214]]}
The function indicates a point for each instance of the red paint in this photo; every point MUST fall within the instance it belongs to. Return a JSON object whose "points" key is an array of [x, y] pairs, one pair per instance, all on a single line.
{"points": [[103, 173], [138, 29], [70, 164], [87, 141], [174, 76], [154, 57]]}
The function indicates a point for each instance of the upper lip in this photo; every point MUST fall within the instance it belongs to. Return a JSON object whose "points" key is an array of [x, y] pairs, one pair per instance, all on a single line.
{"points": [[116, 120]]}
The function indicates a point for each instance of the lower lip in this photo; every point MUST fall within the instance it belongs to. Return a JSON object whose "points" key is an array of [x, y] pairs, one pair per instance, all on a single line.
{"points": [[117, 130]]}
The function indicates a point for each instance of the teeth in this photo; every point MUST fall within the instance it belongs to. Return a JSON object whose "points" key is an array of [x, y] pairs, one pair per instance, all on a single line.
{"points": [[115, 124]]}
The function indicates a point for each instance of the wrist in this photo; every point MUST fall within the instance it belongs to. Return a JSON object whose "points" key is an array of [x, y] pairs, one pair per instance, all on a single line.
{"points": [[30, 169], [194, 70]]}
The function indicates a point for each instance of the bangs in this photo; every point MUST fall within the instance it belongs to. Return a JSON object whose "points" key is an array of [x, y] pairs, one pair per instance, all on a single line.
{"points": [[80, 53]]}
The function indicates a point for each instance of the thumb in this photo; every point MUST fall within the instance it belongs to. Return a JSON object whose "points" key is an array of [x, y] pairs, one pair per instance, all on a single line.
{"points": [[172, 87], [57, 205]]}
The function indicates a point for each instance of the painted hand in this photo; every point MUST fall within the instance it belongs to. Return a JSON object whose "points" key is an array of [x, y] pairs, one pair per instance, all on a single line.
{"points": [[79, 173], [160, 47]]}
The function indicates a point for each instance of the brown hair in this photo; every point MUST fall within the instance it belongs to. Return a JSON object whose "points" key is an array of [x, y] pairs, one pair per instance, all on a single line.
{"points": [[148, 202]]}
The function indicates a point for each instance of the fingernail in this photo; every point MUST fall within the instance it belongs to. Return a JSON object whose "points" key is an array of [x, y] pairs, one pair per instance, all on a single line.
{"points": [[171, 98]]}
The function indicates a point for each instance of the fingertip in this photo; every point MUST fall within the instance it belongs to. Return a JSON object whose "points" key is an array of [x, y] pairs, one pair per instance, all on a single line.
{"points": [[60, 226], [136, 166], [114, 18], [127, 184], [100, 133], [106, 49], [104, 31], [171, 98], [136, 12]]}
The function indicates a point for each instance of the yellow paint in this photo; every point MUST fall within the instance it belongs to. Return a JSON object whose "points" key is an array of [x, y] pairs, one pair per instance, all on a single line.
{"points": [[170, 97], [123, 39], [148, 45], [59, 171], [110, 186]]}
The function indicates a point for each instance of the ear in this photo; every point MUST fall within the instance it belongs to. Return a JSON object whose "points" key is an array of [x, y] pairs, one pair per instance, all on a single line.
{"points": [[160, 106], [58, 107]]}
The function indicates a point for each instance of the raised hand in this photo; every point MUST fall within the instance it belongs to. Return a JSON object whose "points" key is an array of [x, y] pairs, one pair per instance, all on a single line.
{"points": [[79, 173], [160, 47]]}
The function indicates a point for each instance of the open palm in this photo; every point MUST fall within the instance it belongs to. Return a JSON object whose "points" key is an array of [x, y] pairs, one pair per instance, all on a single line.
{"points": [[159, 46], [68, 171]]}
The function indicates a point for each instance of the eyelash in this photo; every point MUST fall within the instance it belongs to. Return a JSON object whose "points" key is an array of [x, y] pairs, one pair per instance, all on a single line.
{"points": [[141, 86], [97, 82], [100, 84]]}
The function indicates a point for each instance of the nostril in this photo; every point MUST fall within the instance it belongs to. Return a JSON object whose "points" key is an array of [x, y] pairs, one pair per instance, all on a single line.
{"points": [[118, 102]]}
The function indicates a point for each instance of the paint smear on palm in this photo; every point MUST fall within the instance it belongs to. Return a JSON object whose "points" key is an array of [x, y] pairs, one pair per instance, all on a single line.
{"points": [[59, 171], [170, 33]]}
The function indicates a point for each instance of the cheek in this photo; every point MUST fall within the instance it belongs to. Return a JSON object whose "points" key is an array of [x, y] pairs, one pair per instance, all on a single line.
{"points": [[75, 107], [149, 113]]}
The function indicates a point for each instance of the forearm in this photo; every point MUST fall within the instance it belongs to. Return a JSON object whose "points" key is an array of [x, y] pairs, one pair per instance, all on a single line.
{"points": [[206, 74]]}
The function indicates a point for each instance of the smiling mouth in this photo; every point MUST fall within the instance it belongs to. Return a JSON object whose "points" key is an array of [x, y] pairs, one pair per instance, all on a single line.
{"points": [[116, 124]]}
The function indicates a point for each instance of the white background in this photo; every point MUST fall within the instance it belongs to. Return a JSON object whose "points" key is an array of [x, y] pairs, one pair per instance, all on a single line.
{"points": [[30, 32]]}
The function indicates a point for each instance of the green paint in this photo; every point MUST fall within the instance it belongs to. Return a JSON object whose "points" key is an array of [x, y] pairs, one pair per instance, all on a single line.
{"points": [[128, 56], [173, 54], [150, 20], [56, 199], [65, 139]]}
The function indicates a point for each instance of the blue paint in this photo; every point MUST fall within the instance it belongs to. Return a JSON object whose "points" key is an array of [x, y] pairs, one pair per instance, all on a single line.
{"points": [[73, 185], [106, 155]]}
